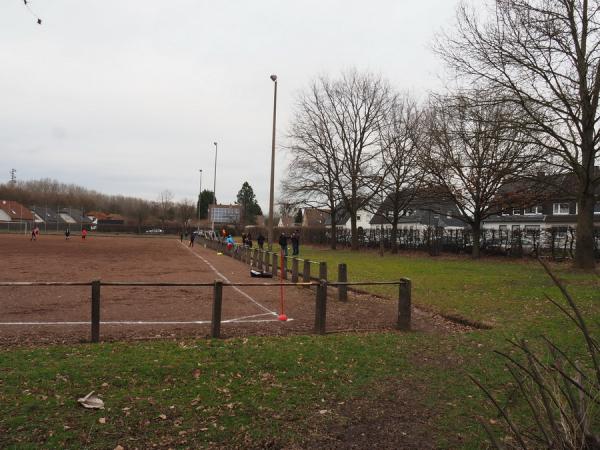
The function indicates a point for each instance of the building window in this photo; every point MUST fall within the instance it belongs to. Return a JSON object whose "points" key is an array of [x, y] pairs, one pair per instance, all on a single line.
{"points": [[516, 228], [533, 210], [597, 207], [357, 218], [560, 208], [516, 212], [532, 230]]}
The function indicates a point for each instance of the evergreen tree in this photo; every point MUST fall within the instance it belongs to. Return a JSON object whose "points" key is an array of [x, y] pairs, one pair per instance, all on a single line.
{"points": [[206, 198], [250, 207]]}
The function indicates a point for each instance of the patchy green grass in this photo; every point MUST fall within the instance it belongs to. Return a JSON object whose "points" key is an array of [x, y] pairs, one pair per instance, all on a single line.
{"points": [[188, 393], [274, 390], [507, 293]]}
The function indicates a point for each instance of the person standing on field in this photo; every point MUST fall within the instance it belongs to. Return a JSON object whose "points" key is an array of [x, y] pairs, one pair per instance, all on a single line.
{"points": [[295, 243], [283, 243], [83, 234], [192, 238], [260, 240], [67, 234]]}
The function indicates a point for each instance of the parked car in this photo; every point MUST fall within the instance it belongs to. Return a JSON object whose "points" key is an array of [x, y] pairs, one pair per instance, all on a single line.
{"points": [[155, 231]]}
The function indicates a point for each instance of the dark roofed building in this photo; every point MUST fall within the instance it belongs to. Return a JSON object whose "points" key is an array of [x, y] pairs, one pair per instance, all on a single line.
{"points": [[421, 212]]}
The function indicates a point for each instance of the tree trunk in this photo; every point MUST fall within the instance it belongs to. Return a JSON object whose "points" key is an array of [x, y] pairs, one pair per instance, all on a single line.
{"points": [[394, 236], [333, 233], [353, 232], [476, 240], [584, 247]]}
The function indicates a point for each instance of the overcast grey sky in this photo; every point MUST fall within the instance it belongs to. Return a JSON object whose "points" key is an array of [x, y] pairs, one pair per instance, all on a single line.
{"points": [[128, 96]]}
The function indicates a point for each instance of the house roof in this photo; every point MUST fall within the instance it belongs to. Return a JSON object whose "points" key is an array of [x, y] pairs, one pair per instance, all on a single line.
{"points": [[286, 221], [47, 214], [15, 210], [426, 208]]}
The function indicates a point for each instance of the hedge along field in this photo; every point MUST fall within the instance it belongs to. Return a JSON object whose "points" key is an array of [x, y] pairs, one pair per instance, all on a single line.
{"points": [[279, 391]]}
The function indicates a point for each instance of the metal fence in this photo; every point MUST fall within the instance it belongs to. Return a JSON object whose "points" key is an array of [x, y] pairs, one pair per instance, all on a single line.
{"points": [[556, 242]]}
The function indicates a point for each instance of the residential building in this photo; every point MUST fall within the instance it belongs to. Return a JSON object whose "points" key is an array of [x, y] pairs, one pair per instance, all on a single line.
{"points": [[14, 212], [363, 220], [555, 208], [420, 214], [314, 217]]}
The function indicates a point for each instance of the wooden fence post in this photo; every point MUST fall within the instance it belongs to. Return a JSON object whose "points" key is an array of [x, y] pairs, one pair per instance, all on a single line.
{"points": [[274, 264], [342, 278], [404, 304], [323, 270], [284, 266], [96, 311], [217, 307], [306, 272], [321, 308], [294, 270]]}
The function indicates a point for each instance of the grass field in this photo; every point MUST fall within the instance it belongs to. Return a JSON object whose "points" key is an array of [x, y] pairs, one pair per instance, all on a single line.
{"points": [[273, 391]]}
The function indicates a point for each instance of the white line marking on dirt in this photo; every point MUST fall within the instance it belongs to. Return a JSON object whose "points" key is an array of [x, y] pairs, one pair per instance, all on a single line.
{"points": [[264, 308], [143, 322]]}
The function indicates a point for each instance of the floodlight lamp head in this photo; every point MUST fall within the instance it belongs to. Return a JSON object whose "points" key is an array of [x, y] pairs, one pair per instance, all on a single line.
{"points": [[274, 77], [215, 143]]}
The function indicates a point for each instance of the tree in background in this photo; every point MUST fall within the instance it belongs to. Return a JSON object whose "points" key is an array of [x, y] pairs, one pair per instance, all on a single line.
{"points": [[542, 57], [336, 144], [247, 200], [165, 206], [185, 212], [472, 152], [402, 141], [140, 210], [206, 198]]}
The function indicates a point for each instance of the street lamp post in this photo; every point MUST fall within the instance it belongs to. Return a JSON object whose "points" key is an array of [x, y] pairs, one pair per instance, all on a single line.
{"points": [[214, 188], [200, 195], [271, 193]]}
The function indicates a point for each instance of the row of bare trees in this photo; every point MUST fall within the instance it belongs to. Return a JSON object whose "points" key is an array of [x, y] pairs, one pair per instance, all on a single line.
{"points": [[356, 144], [52, 193], [526, 99]]}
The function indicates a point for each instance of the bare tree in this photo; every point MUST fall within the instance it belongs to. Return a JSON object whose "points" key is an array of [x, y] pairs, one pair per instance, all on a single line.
{"points": [[165, 206], [139, 210], [401, 162], [341, 121], [312, 173], [473, 151], [544, 56], [185, 211]]}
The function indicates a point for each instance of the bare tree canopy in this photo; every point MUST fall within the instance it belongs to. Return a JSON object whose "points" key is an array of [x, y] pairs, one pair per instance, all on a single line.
{"points": [[473, 152], [336, 141], [544, 57], [401, 161]]}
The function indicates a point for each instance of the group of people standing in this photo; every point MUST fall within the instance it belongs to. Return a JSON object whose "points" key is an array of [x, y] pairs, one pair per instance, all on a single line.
{"points": [[294, 239]]}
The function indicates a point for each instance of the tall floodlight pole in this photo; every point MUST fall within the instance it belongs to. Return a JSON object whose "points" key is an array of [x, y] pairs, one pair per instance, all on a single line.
{"points": [[214, 188], [200, 194], [271, 193]]}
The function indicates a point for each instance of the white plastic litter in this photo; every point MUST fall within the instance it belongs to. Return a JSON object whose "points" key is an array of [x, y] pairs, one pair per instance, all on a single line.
{"points": [[91, 401]]}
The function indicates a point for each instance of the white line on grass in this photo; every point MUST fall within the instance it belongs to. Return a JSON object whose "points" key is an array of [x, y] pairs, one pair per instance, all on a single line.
{"points": [[264, 308]]}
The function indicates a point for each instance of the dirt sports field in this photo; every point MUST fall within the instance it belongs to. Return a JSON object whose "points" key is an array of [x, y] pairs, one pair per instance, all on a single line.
{"points": [[44, 314]]}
